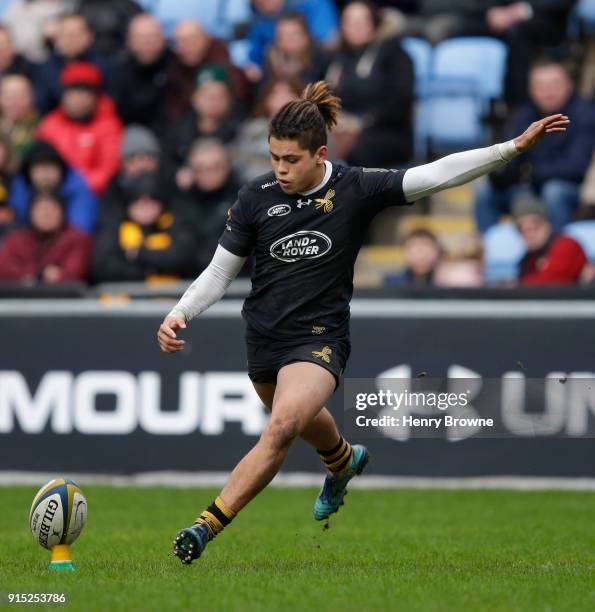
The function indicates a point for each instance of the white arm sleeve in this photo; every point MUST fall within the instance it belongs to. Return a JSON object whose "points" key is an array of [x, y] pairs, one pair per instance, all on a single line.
{"points": [[210, 286], [455, 169]]}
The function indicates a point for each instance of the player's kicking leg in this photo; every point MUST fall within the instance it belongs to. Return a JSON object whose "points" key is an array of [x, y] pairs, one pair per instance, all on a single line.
{"points": [[302, 390], [342, 460]]}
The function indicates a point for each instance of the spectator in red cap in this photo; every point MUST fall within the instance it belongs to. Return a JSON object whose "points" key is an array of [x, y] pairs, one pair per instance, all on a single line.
{"points": [[85, 128]]}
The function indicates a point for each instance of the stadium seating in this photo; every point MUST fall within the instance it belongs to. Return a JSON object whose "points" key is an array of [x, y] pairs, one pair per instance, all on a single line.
{"points": [[4, 4], [479, 60], [584, 233], [503, 250], [218, 18], [585, 11], [421, 53], [467, 73]]}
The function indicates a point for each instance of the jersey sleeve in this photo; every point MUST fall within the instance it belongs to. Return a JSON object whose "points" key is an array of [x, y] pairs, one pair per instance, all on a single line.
{"points": [[239, 235], [381, 188]]}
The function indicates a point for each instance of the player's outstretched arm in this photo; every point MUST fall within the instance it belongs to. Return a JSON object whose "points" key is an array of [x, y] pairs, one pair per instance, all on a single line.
{"points": [[460, 168], [207, 289]]}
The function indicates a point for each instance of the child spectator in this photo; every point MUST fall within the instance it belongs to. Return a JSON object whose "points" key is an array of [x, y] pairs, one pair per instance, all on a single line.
{"points": [[49, 251], [423, 255]]}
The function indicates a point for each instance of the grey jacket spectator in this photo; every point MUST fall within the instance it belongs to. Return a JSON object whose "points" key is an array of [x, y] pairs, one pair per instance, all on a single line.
{"points": [[141, 154]]}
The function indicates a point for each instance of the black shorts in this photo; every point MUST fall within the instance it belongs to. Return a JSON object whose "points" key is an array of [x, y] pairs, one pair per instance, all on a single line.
{"points": [[266, 357]]}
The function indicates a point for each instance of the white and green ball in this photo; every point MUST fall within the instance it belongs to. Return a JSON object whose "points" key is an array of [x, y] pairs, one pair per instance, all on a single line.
{"points": [[58, 513]]}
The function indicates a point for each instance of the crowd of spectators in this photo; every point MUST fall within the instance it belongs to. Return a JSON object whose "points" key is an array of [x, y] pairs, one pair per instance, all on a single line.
{"points": [[126, 128]]}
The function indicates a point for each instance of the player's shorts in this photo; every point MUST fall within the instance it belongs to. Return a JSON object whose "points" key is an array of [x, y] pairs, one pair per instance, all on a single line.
{"points": [[266, 357]]}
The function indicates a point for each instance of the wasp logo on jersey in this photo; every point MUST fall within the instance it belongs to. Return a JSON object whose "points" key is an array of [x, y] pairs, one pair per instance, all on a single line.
{"points": [[306, 244], [279, 210], [327, 201]]}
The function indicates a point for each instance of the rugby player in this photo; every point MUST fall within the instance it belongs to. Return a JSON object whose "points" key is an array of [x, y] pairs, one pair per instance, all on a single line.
{"points": [[304, 222]]}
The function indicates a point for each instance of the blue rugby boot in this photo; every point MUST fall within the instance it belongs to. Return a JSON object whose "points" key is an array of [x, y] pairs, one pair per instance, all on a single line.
{"points": [[190, 543], [334, 488]]}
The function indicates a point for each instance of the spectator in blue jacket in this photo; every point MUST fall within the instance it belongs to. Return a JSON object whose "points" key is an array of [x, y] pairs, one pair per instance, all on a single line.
{"points": [[44, 170], [554, 169], [321, 16]]}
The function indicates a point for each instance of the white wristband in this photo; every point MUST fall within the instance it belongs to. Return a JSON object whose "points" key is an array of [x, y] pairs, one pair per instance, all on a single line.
{"points": [[507, 150]]}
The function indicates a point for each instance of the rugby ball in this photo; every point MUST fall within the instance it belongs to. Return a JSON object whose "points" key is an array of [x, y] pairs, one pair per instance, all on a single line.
{"points": [[58, 513]]}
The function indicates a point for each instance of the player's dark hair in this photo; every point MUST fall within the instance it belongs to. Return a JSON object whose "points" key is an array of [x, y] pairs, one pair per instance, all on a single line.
{"points": [[307, 119]]}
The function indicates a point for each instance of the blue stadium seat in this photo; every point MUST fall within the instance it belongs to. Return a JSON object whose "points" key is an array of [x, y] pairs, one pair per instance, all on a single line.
{"points": [[420, 51], [467, 73], [479, 60], [218, 17], [584, 233], [585, 11], [239, 52], [503, 250], [453, 119], [4, 4]]}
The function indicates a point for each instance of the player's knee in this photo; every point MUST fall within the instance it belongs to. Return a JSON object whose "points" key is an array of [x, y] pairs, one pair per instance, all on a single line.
{"points": [[282, 431]]}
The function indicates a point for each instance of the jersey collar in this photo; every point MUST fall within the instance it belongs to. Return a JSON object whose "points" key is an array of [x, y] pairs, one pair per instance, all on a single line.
{"points": [[327, 175]]}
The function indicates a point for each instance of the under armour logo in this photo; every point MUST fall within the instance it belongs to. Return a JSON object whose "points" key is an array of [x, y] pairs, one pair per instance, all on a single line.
{"points": [[303, 203]]}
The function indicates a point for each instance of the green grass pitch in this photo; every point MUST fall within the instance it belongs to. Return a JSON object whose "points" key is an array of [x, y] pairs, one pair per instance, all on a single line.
{"points": [[385, 550]]}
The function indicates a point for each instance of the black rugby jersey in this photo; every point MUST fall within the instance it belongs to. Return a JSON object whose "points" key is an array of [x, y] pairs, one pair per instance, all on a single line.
{"points": [[305, 247]]}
